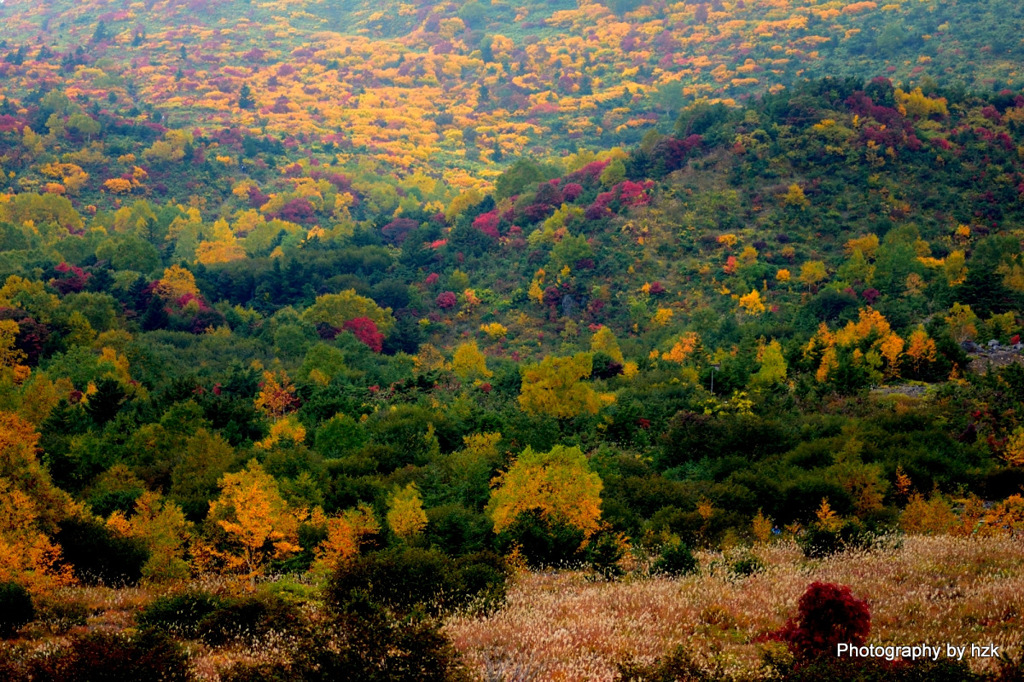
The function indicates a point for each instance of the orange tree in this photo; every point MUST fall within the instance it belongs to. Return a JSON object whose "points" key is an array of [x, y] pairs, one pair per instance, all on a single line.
{"points": [[257, 523]]}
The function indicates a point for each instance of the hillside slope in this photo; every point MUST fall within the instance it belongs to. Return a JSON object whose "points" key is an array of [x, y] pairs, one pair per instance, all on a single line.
{"points": [[460, 88], [393, 305]]}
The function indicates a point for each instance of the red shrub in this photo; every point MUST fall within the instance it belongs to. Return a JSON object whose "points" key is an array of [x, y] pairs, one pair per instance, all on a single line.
{"points": [[487, 223], [364, 329], [297, 211], [634, 193], [398, 229], [829, 614], [72, 278], [446, 300], [256, 197]]}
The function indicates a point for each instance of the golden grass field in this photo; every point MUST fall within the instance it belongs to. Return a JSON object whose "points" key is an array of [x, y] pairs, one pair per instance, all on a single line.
{"points": [[562, 626]]}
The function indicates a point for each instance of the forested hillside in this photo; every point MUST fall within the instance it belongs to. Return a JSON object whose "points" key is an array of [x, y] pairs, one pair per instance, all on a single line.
{"points": [[320, 322], [458, 89]]}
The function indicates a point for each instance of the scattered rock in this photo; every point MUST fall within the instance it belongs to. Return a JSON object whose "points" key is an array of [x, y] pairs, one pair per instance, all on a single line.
{"points": [[994, 354]]}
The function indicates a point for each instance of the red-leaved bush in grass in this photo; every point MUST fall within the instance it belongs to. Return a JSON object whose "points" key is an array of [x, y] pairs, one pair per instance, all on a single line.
{"points": [[828, 614]]}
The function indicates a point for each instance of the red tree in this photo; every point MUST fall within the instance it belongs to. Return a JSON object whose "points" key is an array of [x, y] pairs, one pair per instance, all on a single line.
{"points": [[829, 614], [364, 329]]}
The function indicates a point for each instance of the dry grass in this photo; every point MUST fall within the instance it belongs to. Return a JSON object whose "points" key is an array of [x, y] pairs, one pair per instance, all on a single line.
{"points": [[566, 626], [926, 590], [109, 609]]}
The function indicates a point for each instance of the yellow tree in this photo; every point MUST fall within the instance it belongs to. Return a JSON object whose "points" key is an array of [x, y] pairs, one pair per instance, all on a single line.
{"points": [[963, 323], [345, 533], [11, 358], [277, 395], [1001, 325], [683, 348], [406, 517], [495, 330], [867, 245], [813, 273], [558, 483], [762, 527], [903, 483], [535, 292], [1004, 518], [175, 283], [891, 349], [429, 359], [921, 348], [870, 338], [337, 309], [480, 453], [1013, 452], [469, 363], [829, 364], [257, 522], [223, 250], [773, 365], [751, 303], [32, 297], [604, 341], [39, 395], [553, 387], [118, 185], [1013, 274], [918, 105], [21, 469], [663, 316], [828, 519], [162, 526], [463, 201], [795, 197], [955, 268], [27, 556], [748, 256], [286, 429], [932, 516]]}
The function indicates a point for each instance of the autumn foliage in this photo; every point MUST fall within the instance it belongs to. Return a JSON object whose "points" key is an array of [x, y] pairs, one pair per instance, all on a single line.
{"points": [[364, 329], [257, 523], [559, 484], [828, 614], [554, 387], [300, 288]]}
